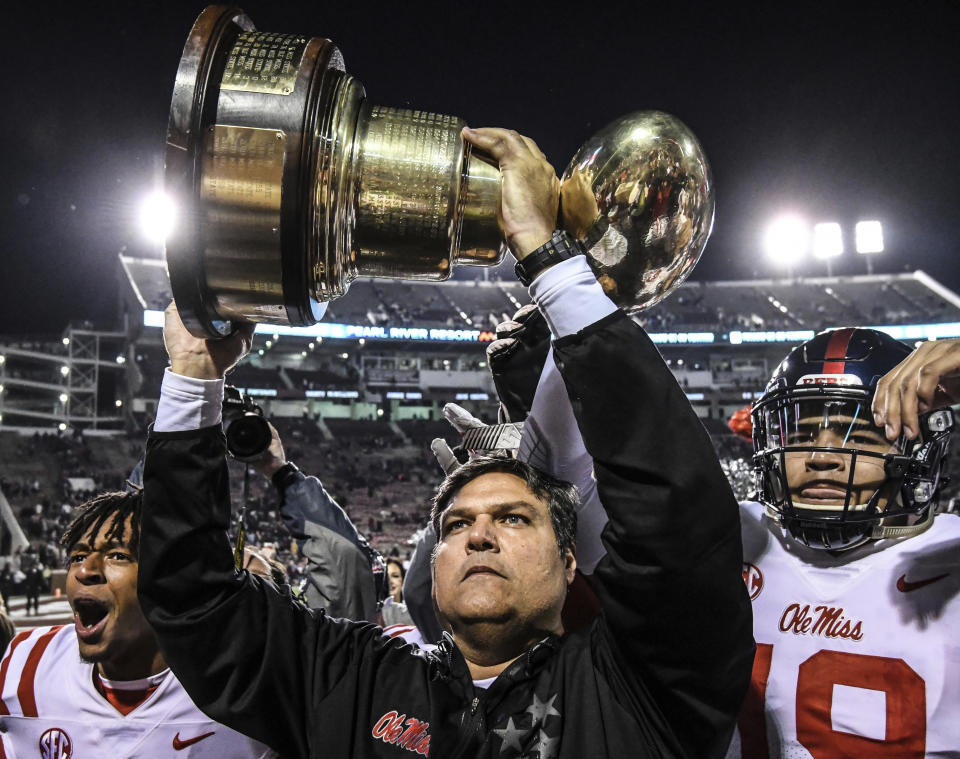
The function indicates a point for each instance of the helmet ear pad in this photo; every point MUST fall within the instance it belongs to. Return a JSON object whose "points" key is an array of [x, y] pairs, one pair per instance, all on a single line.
{"points": [[775, 480]]}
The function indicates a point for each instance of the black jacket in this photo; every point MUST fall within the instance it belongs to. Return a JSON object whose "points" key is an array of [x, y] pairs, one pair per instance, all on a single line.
{"points": [[662, 671]]}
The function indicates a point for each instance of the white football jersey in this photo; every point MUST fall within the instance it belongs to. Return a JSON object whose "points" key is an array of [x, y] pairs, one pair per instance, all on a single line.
{"points": [[858, 654], [51, 710]]}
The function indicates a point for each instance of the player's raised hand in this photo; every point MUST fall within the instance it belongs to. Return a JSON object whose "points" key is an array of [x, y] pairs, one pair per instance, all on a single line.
{"points": [[516, 360], [461, 420], [200, 358], [530, 194], [928, 378]]}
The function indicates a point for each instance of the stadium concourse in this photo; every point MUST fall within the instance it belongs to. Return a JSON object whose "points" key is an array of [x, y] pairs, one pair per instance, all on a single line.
{"points": [[358, 398]]}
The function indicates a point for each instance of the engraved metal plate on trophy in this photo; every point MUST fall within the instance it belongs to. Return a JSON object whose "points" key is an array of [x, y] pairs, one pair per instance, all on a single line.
{"points": [[291, 184]]}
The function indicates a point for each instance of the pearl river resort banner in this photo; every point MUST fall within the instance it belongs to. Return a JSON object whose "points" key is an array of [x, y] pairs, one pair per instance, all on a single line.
{"points": [[334, 331]]}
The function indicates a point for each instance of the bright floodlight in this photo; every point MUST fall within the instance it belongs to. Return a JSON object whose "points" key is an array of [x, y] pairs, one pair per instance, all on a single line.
{"points": [[869, 237], [157, 215], [827, 240], [786, 240]]}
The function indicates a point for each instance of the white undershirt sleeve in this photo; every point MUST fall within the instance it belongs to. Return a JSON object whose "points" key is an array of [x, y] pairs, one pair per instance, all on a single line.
{"points": [[570, 297], [187, 403]]}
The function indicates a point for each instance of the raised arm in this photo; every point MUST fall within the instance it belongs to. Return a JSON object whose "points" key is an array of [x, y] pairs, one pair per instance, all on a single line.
{"points": [[247, 654], [340, 562], [670, 584], [676, 616]]}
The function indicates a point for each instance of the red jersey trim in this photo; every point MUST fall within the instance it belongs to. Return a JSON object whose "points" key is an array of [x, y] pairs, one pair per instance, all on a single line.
{"points": [[18, 639], [25, 691], [123, 700], [394, 631]]}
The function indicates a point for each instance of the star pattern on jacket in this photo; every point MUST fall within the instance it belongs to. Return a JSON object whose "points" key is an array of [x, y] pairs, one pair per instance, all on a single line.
{"points": [[533, 741], [511, 735], [540, 710]]}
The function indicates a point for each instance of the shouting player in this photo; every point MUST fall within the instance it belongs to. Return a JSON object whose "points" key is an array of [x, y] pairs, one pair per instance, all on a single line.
{"points": [[854, 583], [100, 687]]}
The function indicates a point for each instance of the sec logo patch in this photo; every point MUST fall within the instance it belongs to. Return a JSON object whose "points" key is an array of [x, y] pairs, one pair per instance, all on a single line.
{"points": [[753, 579], [55, 744]]}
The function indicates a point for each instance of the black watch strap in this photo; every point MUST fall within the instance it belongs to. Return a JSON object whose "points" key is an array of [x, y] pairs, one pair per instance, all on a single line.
{"points": [[560, 247], [285, 476]]}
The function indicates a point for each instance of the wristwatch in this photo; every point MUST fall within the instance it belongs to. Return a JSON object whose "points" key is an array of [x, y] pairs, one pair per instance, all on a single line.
{"points": [[285, 476], [559, 247]]}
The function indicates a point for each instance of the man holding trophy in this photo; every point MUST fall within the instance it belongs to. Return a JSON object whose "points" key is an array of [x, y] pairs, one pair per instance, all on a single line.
{"points": [[661, 673], [296, 185]]}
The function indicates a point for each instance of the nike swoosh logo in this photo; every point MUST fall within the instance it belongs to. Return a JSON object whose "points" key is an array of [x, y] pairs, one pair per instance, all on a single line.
{"points": [[905, 587], [179, 745]]}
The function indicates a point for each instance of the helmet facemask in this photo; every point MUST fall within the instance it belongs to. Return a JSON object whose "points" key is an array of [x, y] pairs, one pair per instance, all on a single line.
{"points": [[828, 474]]}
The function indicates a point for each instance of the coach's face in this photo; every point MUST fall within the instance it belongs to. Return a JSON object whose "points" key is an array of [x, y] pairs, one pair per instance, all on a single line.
{"points": [[497, 562], [102, 590]]}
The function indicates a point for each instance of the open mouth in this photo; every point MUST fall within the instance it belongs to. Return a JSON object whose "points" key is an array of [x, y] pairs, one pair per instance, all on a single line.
{"points": [[90, 617]]}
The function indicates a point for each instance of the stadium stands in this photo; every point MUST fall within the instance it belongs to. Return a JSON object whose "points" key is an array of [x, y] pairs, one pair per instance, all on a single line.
{"points": [[328, 393]]}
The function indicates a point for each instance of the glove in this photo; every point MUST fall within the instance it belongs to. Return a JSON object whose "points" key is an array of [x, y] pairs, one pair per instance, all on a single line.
{"points": [[516, 361], [461, 420], [477, 438]]}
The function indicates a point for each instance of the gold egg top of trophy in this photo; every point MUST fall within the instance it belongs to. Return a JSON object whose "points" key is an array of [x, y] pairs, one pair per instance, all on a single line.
{"points": [[292, 184], [653, 195]]}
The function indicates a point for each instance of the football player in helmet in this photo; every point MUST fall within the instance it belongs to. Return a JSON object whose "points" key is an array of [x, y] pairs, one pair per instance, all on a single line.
{"points": [[855, 585], [826, 471]]}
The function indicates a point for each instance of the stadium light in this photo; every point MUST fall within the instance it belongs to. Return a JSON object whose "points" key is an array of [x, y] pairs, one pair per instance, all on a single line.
{"points": [[66, 341], [64, 370], [157, 216], [827, 240], [63, 397], [118, 403], [869, 237], [786, 240], [62, 427]]}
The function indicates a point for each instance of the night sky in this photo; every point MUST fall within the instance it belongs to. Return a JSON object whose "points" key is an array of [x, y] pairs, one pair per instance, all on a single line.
{"points": [[835, 112]]}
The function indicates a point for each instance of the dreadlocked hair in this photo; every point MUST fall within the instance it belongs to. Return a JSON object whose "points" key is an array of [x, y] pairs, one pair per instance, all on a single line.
{"points": [[110, 509]]}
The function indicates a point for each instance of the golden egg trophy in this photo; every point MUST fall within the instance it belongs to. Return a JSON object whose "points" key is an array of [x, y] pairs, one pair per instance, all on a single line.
{"points": [[291, 184]]}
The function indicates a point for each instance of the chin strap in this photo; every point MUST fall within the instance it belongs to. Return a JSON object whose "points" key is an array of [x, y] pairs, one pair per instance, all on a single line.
{"points": [[908, 531], [880, 531]]}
